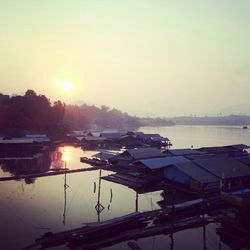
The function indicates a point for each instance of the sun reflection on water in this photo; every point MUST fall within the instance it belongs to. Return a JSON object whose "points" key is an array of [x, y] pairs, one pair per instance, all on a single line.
{"points": [[65, 153]]}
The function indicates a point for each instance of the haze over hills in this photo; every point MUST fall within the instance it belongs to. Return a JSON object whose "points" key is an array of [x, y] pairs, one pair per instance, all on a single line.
{"points": [[170, 112]]}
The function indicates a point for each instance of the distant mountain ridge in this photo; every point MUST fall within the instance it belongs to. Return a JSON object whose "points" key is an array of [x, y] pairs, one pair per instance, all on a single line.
{"points": [[232, 120], [238, 109]]}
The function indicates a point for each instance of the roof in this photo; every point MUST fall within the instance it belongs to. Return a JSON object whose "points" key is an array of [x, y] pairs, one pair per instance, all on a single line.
{"points": [[155, 137], [17, 141], [244, 160], [221, 149], [36, 136], [104, 155], [97, 134], [205, 156], [135, 133], [184, 151], [227, 167], [157, 163], [238, 146], [142, 153], [196, 173], [94, 138], [76, 133], [112, 135]]}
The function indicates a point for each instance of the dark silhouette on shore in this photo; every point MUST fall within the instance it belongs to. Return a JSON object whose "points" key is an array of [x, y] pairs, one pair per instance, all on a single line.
{"points": [[31, 112]]}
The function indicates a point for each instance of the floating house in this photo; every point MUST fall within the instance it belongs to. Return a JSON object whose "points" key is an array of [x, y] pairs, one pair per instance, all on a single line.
{"points": [[131, 155], [155, 166], [112, 135], [192, 177], [122, 139], [39, 138], [154, 140], [230, 150], [105, 155], [92, 142], [130, 141], [18, 148], [233, 173], [76, 136]]}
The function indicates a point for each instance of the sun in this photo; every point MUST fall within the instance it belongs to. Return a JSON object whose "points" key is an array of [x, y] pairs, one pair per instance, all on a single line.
{"points": [[66, 85]]}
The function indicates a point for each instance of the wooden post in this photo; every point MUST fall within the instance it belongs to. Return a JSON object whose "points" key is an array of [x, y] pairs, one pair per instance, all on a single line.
{"points": [[99, 207], [65, 193], [136, 202]]}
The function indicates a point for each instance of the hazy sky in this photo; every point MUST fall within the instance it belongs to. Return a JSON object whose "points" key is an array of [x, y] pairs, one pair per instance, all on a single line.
{"points": [[147, 57]]}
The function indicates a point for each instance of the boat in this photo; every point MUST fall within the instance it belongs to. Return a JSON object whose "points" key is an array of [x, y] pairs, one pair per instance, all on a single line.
{"points": [[94, 161], [245, 127]]}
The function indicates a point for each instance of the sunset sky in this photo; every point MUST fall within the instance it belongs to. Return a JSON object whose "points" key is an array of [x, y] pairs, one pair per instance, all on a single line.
{"points": [[162, 57]]}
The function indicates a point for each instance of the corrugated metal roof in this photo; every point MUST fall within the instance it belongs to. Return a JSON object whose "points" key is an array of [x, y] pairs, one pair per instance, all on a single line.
{"points": [[238, 146], [141, 153], [184, 151], [197, 173], [157, 163], [244, 160], [228, 167]]}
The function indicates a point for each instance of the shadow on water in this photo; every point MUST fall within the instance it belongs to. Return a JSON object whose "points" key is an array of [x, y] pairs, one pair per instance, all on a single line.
{"points": [[29, 163], [39, 163]]}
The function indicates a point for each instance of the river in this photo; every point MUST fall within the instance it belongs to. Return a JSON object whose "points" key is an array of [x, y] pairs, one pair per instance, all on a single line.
{"points": [[27, 211]]}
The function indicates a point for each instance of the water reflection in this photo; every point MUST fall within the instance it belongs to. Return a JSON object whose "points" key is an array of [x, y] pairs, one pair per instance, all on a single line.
{"points": [[41, 162], [99, 207], [37, 164]]}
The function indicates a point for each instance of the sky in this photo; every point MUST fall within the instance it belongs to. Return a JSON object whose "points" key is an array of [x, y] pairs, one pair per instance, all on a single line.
{"points": [[148, 58]]}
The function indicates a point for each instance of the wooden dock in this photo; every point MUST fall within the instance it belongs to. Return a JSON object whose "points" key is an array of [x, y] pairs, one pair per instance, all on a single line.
{"points": [[53, 173], [133, 226]]}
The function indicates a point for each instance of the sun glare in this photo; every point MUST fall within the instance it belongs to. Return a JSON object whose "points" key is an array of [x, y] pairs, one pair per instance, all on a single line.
{"points": [[66, 86], [65, 154]]}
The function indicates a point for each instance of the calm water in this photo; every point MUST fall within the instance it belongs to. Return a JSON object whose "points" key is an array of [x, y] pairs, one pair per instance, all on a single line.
{"points": [[29, 210]]}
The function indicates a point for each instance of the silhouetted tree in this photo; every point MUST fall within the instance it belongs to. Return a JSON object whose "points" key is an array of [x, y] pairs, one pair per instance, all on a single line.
{"points": [[30, 112]]}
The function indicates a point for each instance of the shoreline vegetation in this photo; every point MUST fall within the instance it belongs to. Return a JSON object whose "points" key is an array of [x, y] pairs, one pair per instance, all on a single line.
{"points": [[36, 113]]}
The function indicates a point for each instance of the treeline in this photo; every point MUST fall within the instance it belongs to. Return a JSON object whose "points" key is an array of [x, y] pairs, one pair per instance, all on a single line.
{"points": [[232, 120], [100, 118], [151, 122], [32, 113], [35, 113]]}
